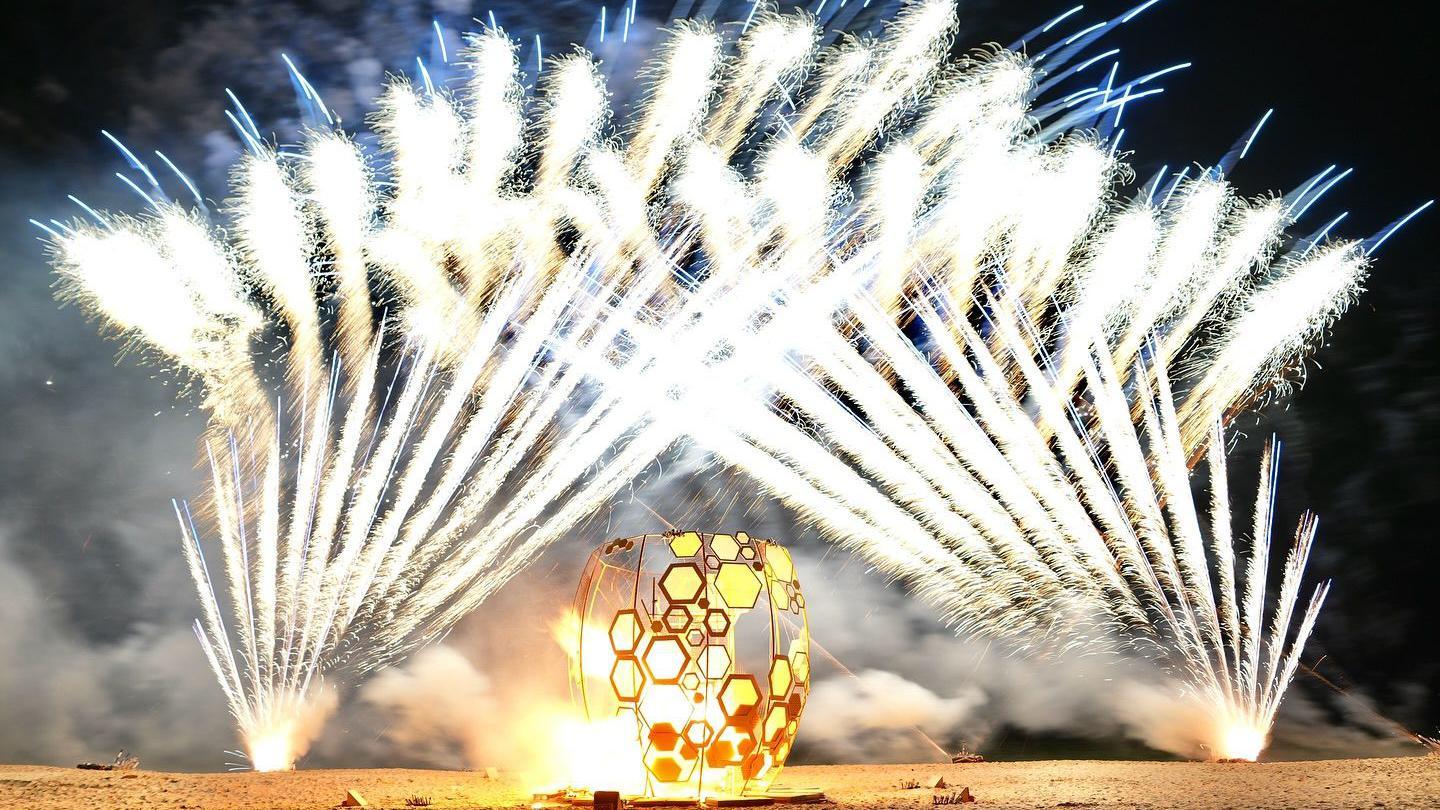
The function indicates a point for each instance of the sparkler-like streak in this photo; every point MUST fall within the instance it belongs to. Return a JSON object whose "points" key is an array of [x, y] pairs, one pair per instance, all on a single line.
{"points": [[912, 308]]}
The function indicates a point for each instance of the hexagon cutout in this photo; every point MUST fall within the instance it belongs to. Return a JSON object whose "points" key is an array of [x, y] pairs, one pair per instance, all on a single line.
{"points": [[738, 585], [780, 677], [665, 659], [625, 631], [698, 732], [685, 544], [681, 583], [677, 618], [740, 696], [664, 737], [715, 662], [724, 546], [775, 725], [627, 679], [717, 622], [779, 560], [800, 665]]}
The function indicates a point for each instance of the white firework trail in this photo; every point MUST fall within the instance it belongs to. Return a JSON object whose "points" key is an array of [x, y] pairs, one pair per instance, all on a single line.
{"points": [[898, 290]]}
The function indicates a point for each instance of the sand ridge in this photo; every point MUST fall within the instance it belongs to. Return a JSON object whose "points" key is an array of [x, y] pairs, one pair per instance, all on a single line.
{"points": [[1404, 782]]}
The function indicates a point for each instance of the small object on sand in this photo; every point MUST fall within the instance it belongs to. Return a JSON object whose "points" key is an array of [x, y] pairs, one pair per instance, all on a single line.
{"points": [[607, 800], [910, 784], [124, 761], [419, 801], [936, 783], [759, 800], [354, 799], [796, 795], [966, 757], [963, 797]]}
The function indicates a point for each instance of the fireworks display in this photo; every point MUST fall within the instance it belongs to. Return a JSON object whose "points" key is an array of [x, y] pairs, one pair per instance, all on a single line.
{"points": [[919, 300]]}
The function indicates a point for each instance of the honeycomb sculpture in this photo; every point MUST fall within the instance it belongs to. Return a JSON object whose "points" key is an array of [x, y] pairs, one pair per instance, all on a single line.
{"points": [[705, 643]]}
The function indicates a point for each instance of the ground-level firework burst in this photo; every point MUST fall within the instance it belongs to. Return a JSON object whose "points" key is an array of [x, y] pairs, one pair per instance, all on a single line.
{"points": [[898, 290]]}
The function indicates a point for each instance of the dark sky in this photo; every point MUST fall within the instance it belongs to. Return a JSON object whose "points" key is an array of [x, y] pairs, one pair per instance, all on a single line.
{"points": [[93, 600]]}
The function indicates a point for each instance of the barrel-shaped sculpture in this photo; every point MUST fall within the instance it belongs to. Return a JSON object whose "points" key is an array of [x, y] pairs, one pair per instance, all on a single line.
{"points": [[702, 639]]}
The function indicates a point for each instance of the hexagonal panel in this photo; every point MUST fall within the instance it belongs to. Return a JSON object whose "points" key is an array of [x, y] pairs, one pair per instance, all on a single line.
{"points": [[625, 631], [664, 768], [682, 582], [740, 696], [779, 561], [698, 732], [724, 546], [738, 585], [717, 622], [715, 662], [800, 665], [780, 677], [665, 658], [665, 703], [690, 681], [775, 725], [627, 679], [677, 618], [695, 637], [664, 737], [685, 544]]}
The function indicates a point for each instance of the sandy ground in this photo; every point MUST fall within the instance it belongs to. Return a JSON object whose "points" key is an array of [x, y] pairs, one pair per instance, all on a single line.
{"points": [[1357, 783]]}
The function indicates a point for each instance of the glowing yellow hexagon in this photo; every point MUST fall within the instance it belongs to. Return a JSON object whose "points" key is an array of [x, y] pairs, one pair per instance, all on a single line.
{"points": [[685, 545], [779, 561], [724, 546], [715, 662], [625, 631], [780, 678], [775, 725], [665, 659], [682, 583], [627, 679], [739, 696], [800, 664], [738, 585], [664, 767]]}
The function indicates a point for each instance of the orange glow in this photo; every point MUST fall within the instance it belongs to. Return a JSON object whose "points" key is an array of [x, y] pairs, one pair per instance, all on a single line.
{"points": [[1241, 740]]}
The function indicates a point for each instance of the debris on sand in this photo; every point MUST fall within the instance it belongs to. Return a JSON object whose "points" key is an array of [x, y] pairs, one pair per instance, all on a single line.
{"points": [[419, 801], [910, 784], [936, 783], [124, 761], [963, 797], [354, 799], [966, 757]]}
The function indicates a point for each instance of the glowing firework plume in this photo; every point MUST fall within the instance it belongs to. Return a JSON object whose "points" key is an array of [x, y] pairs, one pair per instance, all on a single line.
{"points": [[784, 217]]}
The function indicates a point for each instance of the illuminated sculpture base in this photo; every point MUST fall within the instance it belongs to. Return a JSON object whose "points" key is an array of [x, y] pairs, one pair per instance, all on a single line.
{"points": [[698, 644], [773, 796]]}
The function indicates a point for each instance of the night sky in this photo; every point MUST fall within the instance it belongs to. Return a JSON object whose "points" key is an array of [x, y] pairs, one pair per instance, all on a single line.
{"points": [[94, 602]]}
